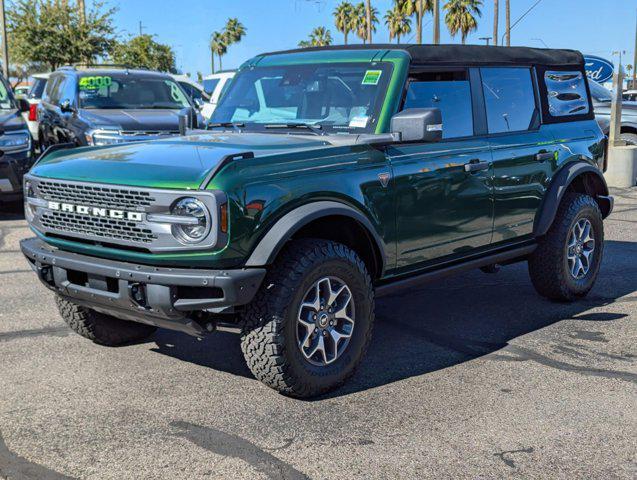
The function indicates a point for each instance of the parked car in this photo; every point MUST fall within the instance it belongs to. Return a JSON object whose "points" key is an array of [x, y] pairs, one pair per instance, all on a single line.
{"points": [[104, 106], [194, 90], [15, 144], [34, 97], [330, 176], [215, 85], [630, 95], [602, 102]]}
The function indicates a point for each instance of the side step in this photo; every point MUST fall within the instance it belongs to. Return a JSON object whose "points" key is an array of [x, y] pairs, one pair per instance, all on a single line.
{"points": [[445, 271]]}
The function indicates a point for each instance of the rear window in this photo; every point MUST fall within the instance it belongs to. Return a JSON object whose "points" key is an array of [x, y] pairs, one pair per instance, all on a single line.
{"points": [[37, 89], [566, 93]]}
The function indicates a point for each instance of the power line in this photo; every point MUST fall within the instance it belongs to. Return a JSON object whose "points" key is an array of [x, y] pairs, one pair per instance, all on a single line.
{"points": [[520, 19]]}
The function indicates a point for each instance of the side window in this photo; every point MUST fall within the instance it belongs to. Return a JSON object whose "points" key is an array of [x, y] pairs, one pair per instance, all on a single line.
{"points": [[566, 93], [448, 91], [67, 90], [52, 93], [509, 97]]}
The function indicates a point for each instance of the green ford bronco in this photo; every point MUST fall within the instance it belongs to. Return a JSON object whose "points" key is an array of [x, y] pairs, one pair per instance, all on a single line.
{"points": [[327, 177]]}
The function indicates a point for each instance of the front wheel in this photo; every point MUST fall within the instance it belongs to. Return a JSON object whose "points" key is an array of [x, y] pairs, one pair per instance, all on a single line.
{"points": [[566, 262], [310, 324]]}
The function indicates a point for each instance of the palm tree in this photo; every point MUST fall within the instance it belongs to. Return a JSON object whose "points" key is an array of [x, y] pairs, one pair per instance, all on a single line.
{"points": [[320, 37], [234, 31], [344, 18], [360, 22], [219, 46], [436, 22], [507, 8], [398, 23], [496, 21], [418, 8], [368, 19], [461, 18]]}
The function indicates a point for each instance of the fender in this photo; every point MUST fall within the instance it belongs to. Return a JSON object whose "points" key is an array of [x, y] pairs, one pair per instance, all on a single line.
{"points": [[272, 243], [559, 184]]}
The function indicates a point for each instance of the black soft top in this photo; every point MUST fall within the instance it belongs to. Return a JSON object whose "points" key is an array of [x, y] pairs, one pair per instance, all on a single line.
{"points": [[468, 54]]}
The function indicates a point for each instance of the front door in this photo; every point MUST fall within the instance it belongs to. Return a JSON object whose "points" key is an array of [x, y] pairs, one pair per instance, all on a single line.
{"points": [[443, 190]]}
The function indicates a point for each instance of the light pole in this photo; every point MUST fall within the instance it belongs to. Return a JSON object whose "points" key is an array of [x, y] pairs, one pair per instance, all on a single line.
{"points": [[5, 46]]}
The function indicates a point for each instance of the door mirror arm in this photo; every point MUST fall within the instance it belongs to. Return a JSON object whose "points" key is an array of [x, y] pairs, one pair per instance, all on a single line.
{"points": [[67, 107]]}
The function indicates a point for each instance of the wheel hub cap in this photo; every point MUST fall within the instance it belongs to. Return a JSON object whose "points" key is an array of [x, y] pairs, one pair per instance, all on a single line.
{"points": [[580, 249], [325, 321]]}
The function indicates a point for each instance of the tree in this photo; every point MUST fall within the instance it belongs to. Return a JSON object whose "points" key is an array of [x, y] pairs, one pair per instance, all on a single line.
{"points": [[461, 17], [361, 20], [53, 33], [496, 21], [398, 23], [344, 18], [320, 37], [219, 46], [418, 8], [368, 20], [232, 33], [507, 8], [143, 51]]}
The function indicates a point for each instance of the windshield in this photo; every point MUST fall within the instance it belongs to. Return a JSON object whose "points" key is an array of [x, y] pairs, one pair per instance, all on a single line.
{"points": [[334, 97], [210, 85], [599, 93], [128, 92], [6, 100]]}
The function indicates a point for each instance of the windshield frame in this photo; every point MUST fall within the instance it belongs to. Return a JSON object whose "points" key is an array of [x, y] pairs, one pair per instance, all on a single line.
{"points": [[376, 110], [122, 78]]}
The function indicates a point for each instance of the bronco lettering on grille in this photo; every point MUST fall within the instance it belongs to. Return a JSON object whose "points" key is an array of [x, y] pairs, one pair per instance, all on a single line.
{"points": [[96, 212]]}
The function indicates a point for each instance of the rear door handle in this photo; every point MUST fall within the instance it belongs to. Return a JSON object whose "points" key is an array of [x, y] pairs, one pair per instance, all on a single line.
{"points": [[475, 165], [544, 156]]}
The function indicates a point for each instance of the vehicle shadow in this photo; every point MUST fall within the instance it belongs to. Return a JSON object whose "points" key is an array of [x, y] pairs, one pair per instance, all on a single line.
{"points": [[443, 324]]}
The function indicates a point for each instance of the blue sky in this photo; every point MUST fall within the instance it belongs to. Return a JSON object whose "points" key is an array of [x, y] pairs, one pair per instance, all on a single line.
{"points": [[592, 26]]}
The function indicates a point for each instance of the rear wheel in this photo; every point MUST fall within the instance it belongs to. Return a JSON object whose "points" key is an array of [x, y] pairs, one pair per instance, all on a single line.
{"points": [[308, 327], [100, 328], [629, 138], [566, 262]]}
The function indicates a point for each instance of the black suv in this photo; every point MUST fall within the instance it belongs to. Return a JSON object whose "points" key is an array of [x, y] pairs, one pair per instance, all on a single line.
{"points": [[15, 144], [108, 105]]}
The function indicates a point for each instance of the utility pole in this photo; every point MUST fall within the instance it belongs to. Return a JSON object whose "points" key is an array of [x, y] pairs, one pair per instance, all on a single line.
{"points": [[5, 46], [634, 82], [141, 28], [507, 7], [496, 21], [436, 22]]}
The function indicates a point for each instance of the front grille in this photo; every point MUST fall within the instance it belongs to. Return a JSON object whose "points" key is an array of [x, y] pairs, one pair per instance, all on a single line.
{"points": [[97, 196], [96, 226]]}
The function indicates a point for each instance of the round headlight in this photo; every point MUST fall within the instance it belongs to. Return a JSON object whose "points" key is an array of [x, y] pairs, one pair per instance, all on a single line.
{"points": [[196, 230]]}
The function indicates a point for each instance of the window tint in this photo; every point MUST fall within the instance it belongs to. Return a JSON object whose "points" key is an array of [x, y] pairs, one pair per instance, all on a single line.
{"points": [[567, 93], [448, 91], [510, 99]]}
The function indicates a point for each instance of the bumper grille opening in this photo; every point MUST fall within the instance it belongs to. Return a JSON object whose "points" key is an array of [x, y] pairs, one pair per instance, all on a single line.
{"points": [[77, 278], [198, 293]]}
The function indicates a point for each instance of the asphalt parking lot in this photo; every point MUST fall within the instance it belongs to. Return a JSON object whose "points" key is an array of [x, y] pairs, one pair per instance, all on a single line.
{"points": [[472, 377]]}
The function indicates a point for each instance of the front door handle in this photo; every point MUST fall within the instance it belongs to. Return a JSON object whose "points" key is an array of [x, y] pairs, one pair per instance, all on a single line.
{"points": [[475, 165], [544, 156]]}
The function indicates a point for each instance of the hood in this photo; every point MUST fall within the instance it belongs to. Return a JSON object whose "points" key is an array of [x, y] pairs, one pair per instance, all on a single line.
{"points": [[175, 163], [136, 120], [11, 120]]}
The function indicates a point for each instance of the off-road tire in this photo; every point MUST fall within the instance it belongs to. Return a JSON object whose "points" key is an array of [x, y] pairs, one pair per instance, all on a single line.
{"points": [[269, 340], [101, 329], [629, 138], [548, 264]]}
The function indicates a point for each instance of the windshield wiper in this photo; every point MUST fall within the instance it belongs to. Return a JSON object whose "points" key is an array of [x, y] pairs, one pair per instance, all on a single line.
{"points": [[237, 126], [315, 129]]}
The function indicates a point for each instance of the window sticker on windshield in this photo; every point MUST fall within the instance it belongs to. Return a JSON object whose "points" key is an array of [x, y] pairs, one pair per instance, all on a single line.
{"points": [[358, 122], [94, 83], [372, 77]]}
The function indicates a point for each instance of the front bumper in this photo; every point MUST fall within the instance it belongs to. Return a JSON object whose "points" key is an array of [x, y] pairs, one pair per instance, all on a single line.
{"points": [[13, 167], [164, 297]]}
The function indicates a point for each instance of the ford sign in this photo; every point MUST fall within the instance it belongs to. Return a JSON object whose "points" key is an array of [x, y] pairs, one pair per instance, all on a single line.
{"points": [[598, 69]]}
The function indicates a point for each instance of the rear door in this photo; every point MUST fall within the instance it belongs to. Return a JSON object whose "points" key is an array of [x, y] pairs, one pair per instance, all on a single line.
{"points": [[523, 151], [442, 209]]}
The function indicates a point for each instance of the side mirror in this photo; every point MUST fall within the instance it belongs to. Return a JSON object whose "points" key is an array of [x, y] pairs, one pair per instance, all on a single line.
{"points": [[23, 105], [199, 103], [66, 106], [418, 125]]}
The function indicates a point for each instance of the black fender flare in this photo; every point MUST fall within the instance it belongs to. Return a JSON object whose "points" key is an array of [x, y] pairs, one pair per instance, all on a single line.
{"points": [[557, 188], [271, 244]]}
